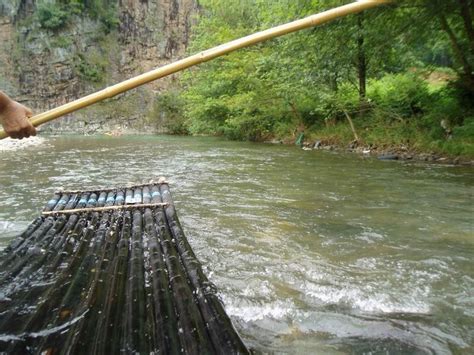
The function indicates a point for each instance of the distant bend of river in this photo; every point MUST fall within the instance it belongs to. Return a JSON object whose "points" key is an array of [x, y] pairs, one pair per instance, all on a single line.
{"points": [[312, 252]]}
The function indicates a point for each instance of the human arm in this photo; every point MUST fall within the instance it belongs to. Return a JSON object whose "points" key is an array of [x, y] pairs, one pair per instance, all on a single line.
{"points": [[14, 118]]}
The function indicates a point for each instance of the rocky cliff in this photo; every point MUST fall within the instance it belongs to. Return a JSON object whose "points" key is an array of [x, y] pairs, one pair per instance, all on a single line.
{"points": [[52, 52]]}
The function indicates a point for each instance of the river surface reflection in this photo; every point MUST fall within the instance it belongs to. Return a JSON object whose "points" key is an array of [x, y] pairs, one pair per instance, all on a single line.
{"points": [[313, 252]]}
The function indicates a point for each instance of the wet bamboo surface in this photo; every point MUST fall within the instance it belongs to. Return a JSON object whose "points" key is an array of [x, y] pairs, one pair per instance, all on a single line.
{"points": [[109, 281]]}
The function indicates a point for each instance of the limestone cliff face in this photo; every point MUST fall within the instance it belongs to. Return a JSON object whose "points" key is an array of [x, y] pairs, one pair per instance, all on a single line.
{"points": [[43, 64]]}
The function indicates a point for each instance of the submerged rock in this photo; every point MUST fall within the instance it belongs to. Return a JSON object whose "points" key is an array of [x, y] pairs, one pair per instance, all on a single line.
{"points": [[388, 157]]}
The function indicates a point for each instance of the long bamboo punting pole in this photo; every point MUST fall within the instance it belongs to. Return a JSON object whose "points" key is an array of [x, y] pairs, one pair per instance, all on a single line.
{"points": [[311, 21]]}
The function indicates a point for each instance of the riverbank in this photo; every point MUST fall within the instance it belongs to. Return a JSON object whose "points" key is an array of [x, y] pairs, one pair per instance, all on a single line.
{"points": [[401, 152], [390, 145], [409, 139]]}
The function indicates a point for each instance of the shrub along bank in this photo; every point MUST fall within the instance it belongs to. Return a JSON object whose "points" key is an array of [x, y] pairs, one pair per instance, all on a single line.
{"points": [[403, 112]]}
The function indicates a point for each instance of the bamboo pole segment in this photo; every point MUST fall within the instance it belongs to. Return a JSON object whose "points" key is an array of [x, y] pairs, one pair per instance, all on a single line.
{"points": [[38, 319], [193, 336], [117, 297], [96, 322], [136, 296], [106, 208], [80, 284], [218, 324], [166, 328], [16, 243], [207, 55]]}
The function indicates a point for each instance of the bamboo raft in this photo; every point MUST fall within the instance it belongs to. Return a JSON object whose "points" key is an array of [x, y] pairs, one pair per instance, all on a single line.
{"points": [[108, 272]]}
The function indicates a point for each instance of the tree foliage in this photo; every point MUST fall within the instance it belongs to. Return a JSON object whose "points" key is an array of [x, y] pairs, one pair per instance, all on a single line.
{"points": [[373, 64]]}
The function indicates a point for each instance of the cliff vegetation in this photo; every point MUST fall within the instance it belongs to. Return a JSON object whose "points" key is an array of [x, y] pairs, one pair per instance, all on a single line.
{"points": [[55, 51]]}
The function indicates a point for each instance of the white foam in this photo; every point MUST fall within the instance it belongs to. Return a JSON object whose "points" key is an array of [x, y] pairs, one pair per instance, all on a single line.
{"points": [[9, 144], [369, 237], [368, 300], [42, 333], [255, 311]]}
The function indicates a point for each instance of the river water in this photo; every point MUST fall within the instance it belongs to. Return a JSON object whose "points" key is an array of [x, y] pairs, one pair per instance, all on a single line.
{"points": [[313, 252]]}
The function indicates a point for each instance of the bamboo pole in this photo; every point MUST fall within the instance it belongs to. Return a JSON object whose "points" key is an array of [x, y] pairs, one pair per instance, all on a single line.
{"points": [[106, 208], [166, 324], [311, 21]]}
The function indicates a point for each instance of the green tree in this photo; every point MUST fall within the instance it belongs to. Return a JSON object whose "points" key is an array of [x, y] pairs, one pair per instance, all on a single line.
{"points": [[302, 80], [449, 22]]}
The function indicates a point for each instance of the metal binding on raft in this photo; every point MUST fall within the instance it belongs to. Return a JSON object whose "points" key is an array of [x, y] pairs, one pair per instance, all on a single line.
{"points": [[121, 278]]}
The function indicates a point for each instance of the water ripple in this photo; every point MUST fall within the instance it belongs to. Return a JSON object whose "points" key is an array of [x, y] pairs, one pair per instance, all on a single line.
{"points": [[312, 252]]}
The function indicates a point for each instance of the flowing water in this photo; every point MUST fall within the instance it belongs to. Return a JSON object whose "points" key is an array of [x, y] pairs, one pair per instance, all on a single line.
{"points": [[313, 252]]}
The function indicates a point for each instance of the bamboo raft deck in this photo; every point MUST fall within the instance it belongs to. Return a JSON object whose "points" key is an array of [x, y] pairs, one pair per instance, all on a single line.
{"points": [[108, 272]]}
